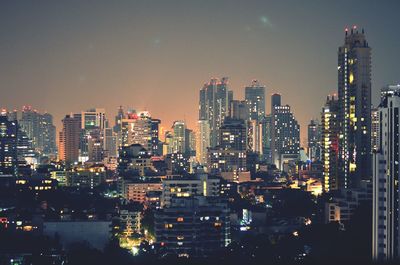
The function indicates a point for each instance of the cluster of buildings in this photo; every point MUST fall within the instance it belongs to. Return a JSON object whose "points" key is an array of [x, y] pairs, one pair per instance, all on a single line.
{"points": [[239, 148]]}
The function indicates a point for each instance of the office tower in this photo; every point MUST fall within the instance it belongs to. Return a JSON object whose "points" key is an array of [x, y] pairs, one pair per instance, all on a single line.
{"points": [[193, 227], [314, 138], [110, 143], [48, 135], [118, 126], [230, 99], [214, 106], [374, 128], [168, 143], [156, 149], [118, 119], [330, 143], [190, 142], [354, 90], [137, 129], [70, 138], [29, 123], [8, 147], [233, 135], [26, 152], [94, 118], [254, 136], [238, 110], [266, 139], [12, 115], [385, 230], [93, 121], [275, 101], [95, 140], [40, 129], [179, 138], [285, 134], [202, 141], [255, 101]]}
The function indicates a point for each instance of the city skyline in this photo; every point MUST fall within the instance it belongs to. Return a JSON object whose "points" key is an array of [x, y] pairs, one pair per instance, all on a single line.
{"points": [[145, 65]]}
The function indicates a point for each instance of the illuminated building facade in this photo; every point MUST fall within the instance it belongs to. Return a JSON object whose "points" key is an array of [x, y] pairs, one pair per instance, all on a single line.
{"points": [[202, 141], [193, 227], [314, 138], [354, 91], [233, 135], [70, 138], [179, 137], [214, 106], [40, 129], [8, 147], [137, 129], [285, 134], [188, 186], [374, 129], [330, 143], [386, 177], [255, 100]]}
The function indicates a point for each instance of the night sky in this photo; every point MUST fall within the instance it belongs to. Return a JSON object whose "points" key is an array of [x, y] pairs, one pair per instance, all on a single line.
{"points": [[68, 56]]}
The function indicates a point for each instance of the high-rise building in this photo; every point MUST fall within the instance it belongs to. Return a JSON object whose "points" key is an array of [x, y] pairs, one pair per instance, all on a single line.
{"points": [[70, 138], [233, 135], [374, 128], [40, 129], [214, 106], [266, 126], [354, 90], [275, 101], [285, 134], [202, 141], [255, 100], [386, 177], [330, 143], [255, 135], [8, 147], [137, 129], [110, 143], [156, 148], [314, 138], [179, 140], [238, 110]]}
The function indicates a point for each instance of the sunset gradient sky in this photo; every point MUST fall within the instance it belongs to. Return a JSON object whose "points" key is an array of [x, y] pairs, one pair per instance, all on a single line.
{"points": [[68, 56]]}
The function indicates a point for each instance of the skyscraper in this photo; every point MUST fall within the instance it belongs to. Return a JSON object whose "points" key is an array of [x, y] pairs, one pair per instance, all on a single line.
{"points": [[330, 143], [137, 129], [285, 134], [202, 141], [386, 176], [8, 146], [374, 128], [275, 101], [214, 106], [40, 129], [238, 110], [314, 137], [233, 135], [179, 138], [354, 90], [156, 149], [70, 138], [255, 100]]}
